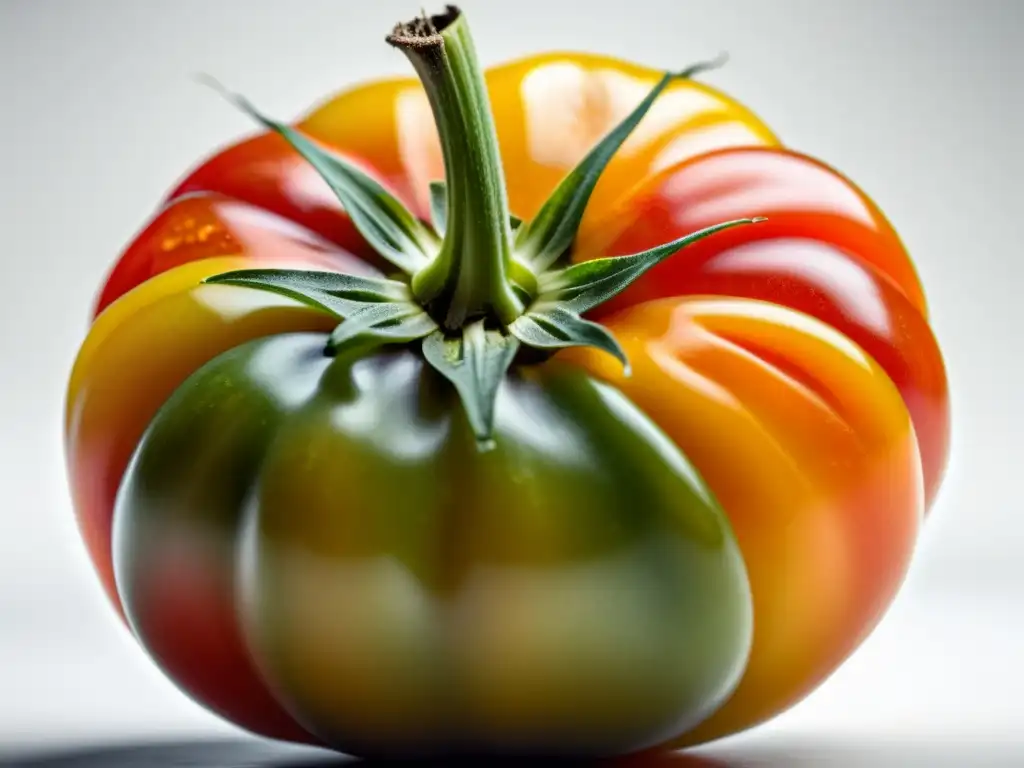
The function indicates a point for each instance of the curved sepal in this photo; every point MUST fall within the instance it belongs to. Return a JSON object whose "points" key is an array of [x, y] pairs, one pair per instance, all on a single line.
{"points": [[337, 293], [556, 328], [388, 323]]}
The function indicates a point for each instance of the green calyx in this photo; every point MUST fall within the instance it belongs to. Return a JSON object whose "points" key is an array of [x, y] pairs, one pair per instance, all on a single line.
{"points": [[476, 283]]}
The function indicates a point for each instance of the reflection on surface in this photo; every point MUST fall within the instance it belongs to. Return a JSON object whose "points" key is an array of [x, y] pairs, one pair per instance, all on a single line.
{"points": [[258, 754], [928, 751]]}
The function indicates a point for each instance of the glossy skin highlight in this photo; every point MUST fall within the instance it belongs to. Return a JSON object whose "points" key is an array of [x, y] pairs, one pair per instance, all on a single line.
{"points": [[791, 363]]}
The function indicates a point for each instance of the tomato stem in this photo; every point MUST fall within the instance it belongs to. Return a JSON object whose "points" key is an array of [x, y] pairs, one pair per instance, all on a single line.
{"points": [[471, 277]]}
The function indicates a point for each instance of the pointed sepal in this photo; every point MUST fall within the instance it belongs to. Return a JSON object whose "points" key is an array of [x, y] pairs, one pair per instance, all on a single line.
{"points": [[337, 293], [587, 284], [475, 363], [383, 221], [542, 241]]}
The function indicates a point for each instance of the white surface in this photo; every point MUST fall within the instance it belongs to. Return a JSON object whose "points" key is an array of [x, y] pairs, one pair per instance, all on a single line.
{"points": [[940, 669]]}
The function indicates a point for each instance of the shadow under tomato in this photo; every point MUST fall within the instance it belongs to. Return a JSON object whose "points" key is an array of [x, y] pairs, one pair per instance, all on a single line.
{"points": [[257, 754]]}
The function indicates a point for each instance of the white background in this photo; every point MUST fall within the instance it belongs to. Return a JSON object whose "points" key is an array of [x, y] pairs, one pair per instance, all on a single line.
{"points": [[920, 102]]}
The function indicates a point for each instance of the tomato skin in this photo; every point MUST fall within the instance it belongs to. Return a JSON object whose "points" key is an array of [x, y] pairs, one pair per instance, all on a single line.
{"points": [[266, 172], [807, 444], [202, 226], [576, 591]]}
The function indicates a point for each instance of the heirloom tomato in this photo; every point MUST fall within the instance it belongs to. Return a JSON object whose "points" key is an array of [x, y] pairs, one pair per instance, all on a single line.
{"points": [[557, 409]]}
